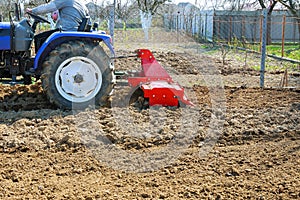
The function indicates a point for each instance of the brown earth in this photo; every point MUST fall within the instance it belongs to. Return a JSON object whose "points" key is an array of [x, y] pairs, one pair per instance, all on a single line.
{"points": [[237, 142]]}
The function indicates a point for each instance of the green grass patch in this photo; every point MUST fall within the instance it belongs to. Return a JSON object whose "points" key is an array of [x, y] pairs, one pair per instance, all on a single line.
{"points": [[290, 51], [268, 67]]}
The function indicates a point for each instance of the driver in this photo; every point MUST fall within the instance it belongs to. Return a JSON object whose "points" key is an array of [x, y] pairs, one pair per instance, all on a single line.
{"points": [[71, 12]]}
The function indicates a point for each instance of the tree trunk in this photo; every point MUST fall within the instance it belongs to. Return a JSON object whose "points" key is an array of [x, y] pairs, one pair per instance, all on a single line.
{"points": [[124, 25], [146, 18]]}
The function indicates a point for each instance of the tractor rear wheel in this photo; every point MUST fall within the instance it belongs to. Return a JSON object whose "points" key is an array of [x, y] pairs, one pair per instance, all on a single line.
{"points": [[77, 75]]}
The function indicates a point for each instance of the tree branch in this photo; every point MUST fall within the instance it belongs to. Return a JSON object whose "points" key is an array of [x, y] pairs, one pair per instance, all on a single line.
{"points": [[290, 7], [261, 2]]}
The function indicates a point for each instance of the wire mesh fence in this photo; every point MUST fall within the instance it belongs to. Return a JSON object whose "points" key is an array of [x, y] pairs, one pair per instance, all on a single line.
{"points": [[242, 29]]}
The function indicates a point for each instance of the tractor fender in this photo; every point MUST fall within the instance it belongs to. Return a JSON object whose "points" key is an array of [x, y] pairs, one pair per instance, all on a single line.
{"points": [[58, 38]]}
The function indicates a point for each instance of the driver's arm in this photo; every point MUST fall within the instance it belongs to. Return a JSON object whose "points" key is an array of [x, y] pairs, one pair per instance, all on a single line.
{"points": [[44, 8]]}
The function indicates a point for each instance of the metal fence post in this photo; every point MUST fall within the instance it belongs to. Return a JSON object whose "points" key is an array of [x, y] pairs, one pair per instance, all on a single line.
{"points": [[283, 35], [230, 29], [260, 30], [263, 48], [177, 22], [200, 26], [205, 27], [111, 20]]}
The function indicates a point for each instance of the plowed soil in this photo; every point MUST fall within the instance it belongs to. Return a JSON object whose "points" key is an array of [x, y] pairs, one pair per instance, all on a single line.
{"points": [[238, 142]]}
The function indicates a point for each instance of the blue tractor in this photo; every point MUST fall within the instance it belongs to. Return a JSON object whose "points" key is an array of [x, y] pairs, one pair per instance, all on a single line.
{"points": [[74, 67]]}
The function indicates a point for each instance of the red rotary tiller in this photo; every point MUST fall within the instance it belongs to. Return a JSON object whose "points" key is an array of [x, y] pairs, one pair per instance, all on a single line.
{"points": [[157, 85]]}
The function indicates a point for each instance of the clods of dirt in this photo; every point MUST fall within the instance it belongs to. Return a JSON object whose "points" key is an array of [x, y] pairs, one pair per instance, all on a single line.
{"points": [[238, 142]]}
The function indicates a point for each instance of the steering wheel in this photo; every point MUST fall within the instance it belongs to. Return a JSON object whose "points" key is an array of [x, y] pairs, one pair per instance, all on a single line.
{"points": [[38, 18]]}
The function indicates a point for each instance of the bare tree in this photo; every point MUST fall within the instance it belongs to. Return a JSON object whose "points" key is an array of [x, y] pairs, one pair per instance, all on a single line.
{"points": [[150, 6], [238, 4], [125, 10], [98, 9], [211, 4], [147, 9], [5, 7]]}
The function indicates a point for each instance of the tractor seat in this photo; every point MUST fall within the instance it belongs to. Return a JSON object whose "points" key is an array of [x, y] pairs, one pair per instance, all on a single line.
{"points": [[85, 25]]}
